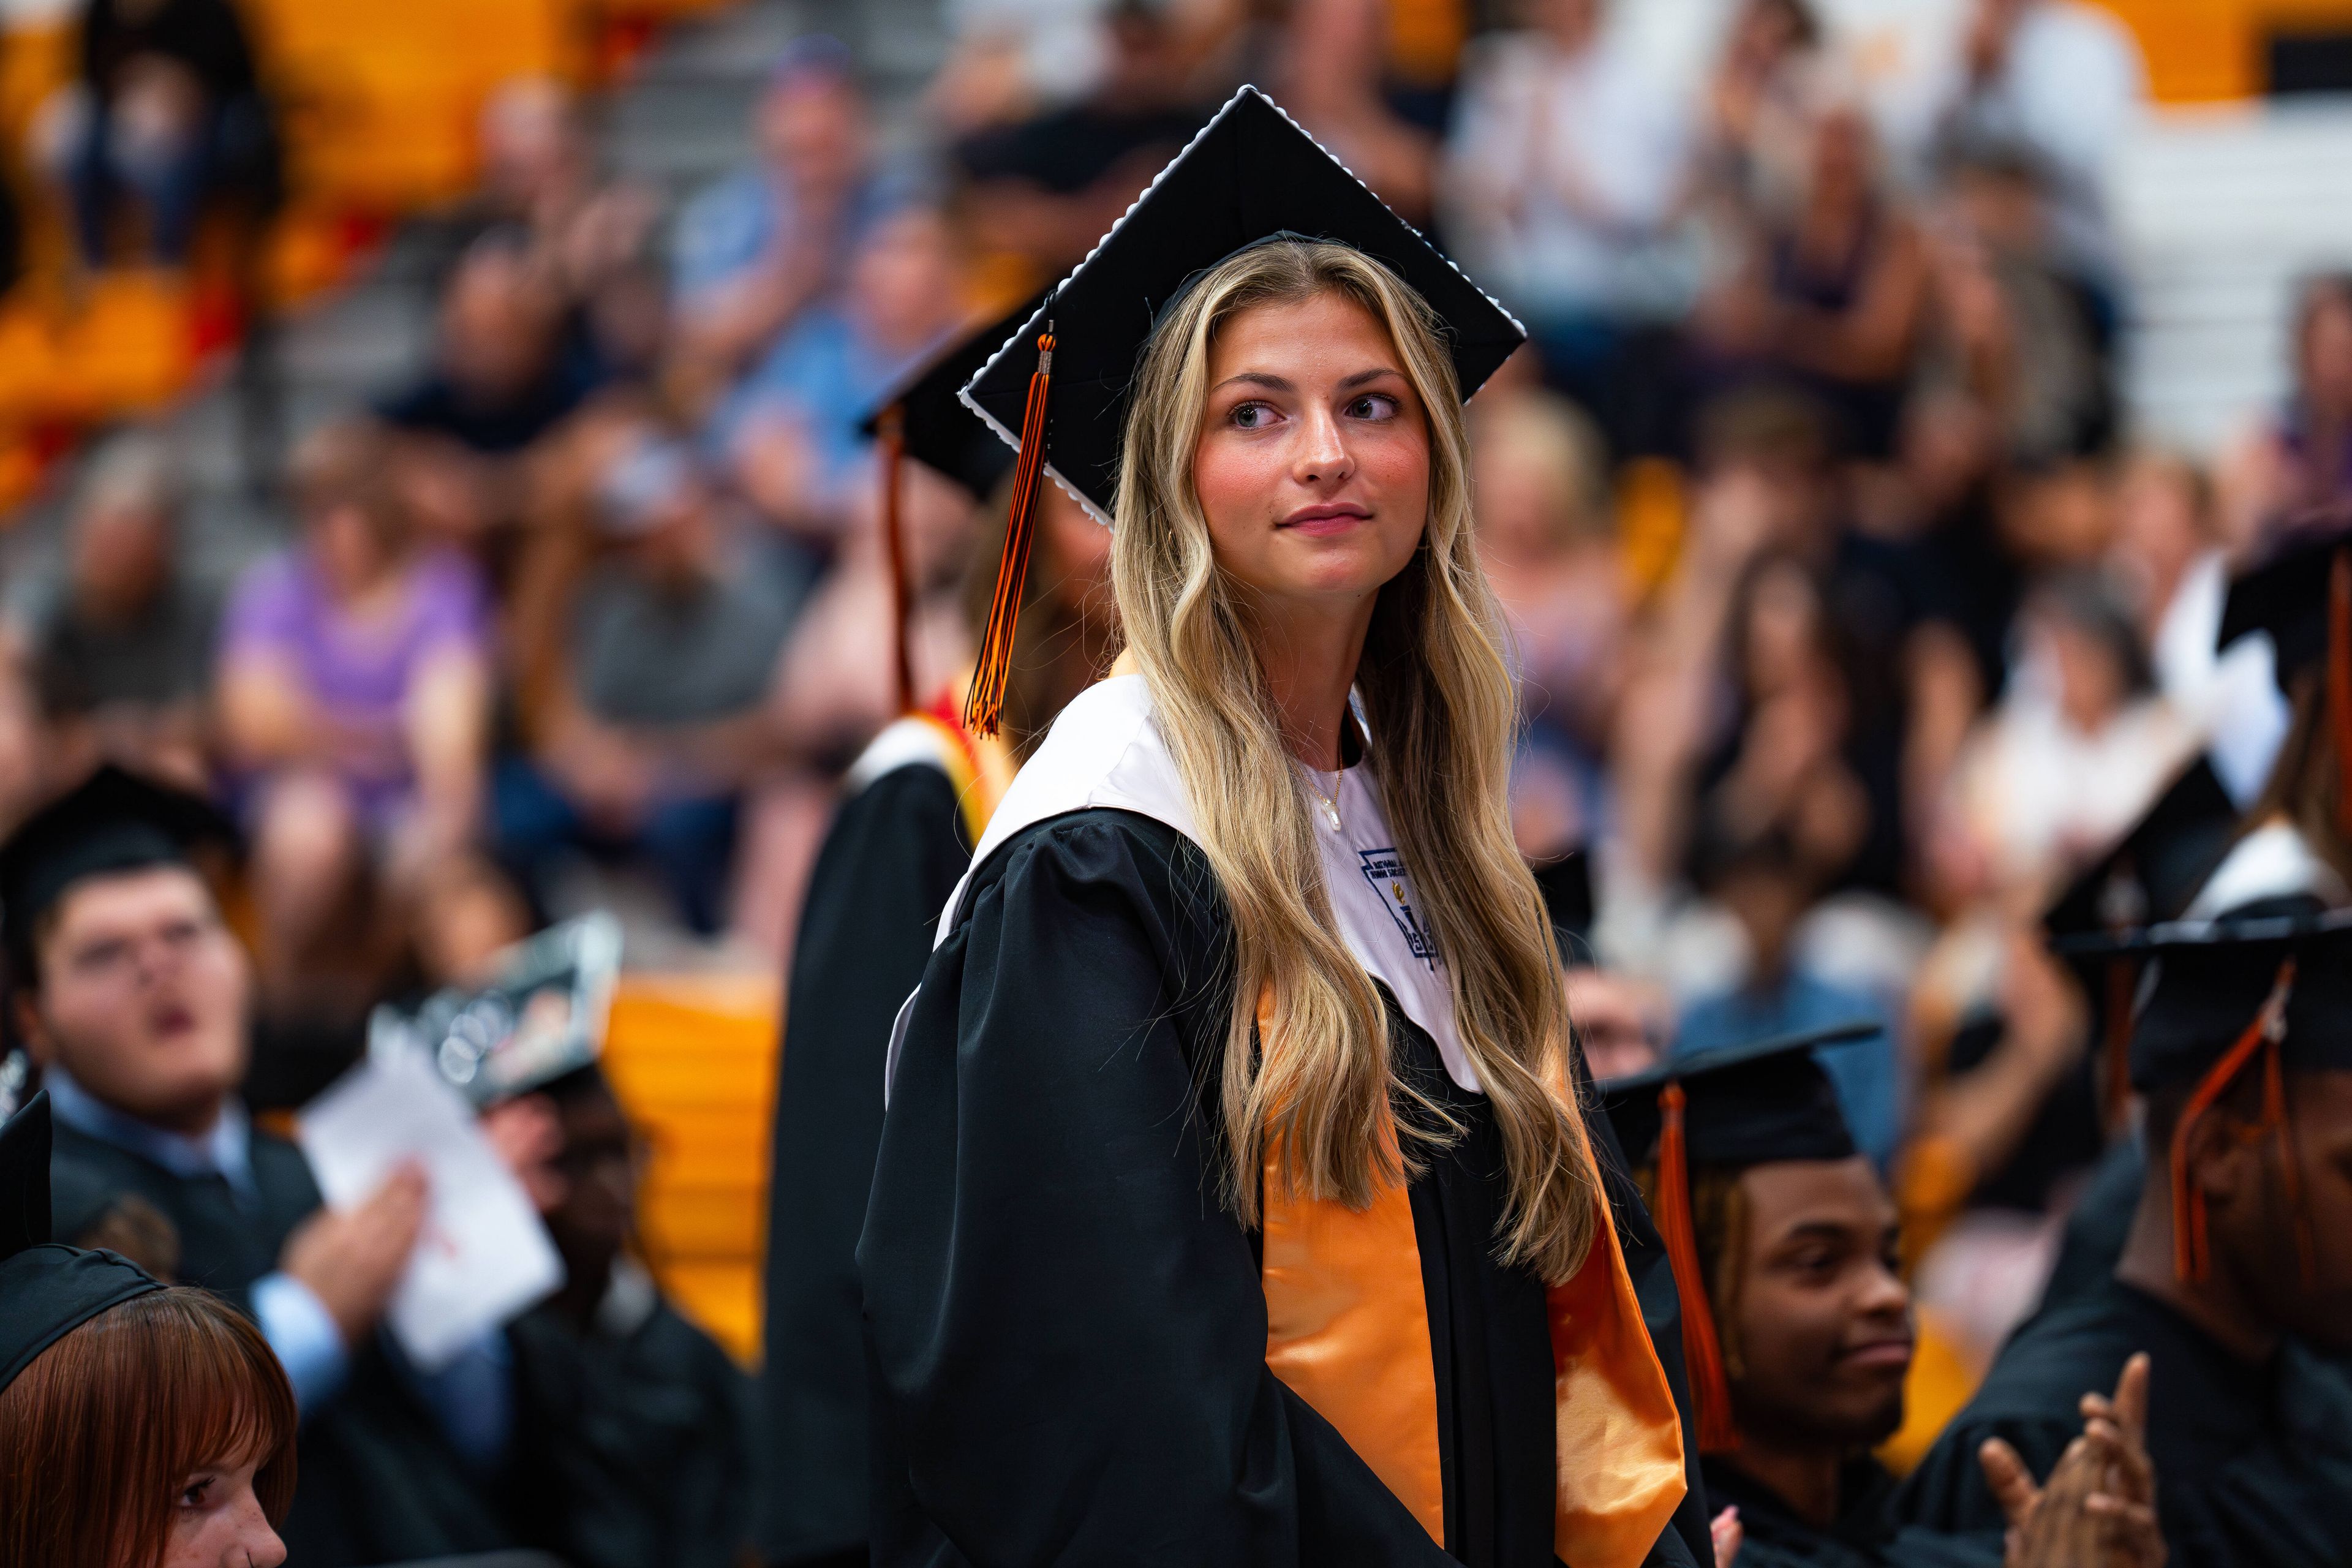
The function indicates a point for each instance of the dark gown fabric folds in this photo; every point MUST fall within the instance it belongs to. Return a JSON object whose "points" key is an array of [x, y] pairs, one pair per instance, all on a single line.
{"points": [[890, 862], [1069, 1330], [2253, 1462]]}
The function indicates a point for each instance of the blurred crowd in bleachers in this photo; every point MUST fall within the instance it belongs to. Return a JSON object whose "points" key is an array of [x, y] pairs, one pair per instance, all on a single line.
{"points": [[1852, 617]]}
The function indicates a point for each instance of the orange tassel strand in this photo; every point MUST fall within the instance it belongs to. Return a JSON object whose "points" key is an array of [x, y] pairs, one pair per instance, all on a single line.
{"points": [[2192, 1257], [1702, 1348], [984, 708]]}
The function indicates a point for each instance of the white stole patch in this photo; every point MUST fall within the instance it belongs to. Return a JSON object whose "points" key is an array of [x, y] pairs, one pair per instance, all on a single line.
{"points": [[1104, 751]]}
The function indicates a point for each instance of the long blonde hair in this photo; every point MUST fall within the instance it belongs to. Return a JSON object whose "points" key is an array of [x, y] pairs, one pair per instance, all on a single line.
{"points": [[1439, 704]]}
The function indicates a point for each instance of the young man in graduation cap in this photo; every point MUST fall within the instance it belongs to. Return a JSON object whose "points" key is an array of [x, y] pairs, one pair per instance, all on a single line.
{"points": [[914, 804], [1795, 1324], [2231, 1278], [129, 993]]}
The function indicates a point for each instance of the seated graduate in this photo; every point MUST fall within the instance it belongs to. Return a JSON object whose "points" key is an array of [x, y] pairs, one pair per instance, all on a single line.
{"points": [[142, 1425], [129, 993], [913, 806], [2243, 1053], [1798, 1328], [1231, 1208], [632, 1439]]}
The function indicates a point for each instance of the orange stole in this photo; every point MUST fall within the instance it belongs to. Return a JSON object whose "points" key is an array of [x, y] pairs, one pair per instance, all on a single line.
{"points": [[1347, 1331]]}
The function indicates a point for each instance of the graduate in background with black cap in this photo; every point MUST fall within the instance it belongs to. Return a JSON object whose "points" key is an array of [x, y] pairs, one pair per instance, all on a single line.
{"points": [[2232, 1279], [913, 806], [1795, 1322], [129, 993], [141, 1425], [1232, 1206]]}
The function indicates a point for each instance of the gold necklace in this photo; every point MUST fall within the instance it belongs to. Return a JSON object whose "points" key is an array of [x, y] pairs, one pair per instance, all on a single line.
{"points": [[1331, 806]]}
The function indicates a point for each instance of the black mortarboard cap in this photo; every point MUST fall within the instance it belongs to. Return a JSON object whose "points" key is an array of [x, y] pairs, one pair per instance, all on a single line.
{"points": [[46, 1290], [1251, 174], [1745, 1104], [1566, 884], [2156, 868], [2290, 595], [935, 427], [112, 821]]}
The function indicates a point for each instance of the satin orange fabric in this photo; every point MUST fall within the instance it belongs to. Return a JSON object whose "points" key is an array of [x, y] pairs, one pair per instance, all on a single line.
{"points": [[1347, 1331]]}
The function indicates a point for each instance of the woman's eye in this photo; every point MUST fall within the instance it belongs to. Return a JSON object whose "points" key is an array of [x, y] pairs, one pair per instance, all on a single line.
{"points": [[1251, 415], [1372, 406], [193, 1495]]}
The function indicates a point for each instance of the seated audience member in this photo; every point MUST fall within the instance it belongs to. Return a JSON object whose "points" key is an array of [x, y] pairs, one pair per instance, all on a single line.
{"points": [[354, 697], [128, 991], [653, 716], [1550, 548], [755, 250], [1833, 295], [788, 433], [1798, 1332], [142, 1425], [505, 374], [2300, 462], [116, 641], [169, 111], [2231, 1280], [1564, 181], [635, 1448]]}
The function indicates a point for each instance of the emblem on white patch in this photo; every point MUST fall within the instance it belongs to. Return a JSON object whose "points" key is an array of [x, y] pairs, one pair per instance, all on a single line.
{"points": [[1384, 869]]}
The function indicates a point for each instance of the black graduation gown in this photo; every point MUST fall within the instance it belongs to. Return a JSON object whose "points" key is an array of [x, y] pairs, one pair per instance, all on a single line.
{"points": [[891, 858], [1068, 1331], [634, 1450], [1864, 1535], [2253, 1463], [376, 1481], [2099, 1224]]}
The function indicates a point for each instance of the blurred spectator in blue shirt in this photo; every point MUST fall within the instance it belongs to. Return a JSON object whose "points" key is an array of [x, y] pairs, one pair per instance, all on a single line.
{"points": [[758, 248], [789, 432]]}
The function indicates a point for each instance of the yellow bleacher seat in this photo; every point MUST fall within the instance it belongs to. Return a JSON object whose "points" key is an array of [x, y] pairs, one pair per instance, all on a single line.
{"points": [[693, 1058]]}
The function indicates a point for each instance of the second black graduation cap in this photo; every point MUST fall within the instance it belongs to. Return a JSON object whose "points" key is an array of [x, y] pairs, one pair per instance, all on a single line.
{"points": [[2292, 594], [112, 821], [935, 427], [1251, 174]]}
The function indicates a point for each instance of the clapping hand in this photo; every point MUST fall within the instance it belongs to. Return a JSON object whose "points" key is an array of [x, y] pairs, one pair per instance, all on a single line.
{"points": [[2097, 1510]]}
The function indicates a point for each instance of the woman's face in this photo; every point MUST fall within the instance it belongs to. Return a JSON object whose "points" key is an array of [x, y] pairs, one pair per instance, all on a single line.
{"points": [[217, 1522], [1313, 459]]}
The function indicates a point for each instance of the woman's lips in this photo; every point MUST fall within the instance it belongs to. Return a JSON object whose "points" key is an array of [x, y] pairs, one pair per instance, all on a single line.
{"points": [[1317, 522], [1879, 1353]]}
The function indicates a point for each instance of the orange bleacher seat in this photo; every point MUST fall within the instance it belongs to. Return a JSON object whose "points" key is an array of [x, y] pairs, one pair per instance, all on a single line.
{"points": [[693, 1058]]}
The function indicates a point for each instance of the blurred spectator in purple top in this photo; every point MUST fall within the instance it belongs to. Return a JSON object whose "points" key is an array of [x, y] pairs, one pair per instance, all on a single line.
{"points": [[788, 433], [2303, 463], [1757, 103], [354, 697], [758, 248]]}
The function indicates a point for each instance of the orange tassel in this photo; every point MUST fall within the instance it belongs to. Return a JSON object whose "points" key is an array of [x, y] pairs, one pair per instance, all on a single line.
{"points": [[893, 433], [1702, 1349], [983, 706], [2339, 679], [2193, 1257]]}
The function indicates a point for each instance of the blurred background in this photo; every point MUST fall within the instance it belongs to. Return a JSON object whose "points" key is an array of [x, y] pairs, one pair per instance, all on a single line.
{"points": [[1905, 377]]}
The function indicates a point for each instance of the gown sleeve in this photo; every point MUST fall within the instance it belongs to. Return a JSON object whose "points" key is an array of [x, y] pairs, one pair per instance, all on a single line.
{"points": [[1066, 1330]]}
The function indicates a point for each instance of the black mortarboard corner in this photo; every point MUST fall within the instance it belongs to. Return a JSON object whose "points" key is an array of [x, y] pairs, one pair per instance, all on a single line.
{"points": [[47, 1291], [2302, 595], [2269, 983], [112, 821], [923, 417], [1747, 1104], [2151, 875], [1058, 391]]}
